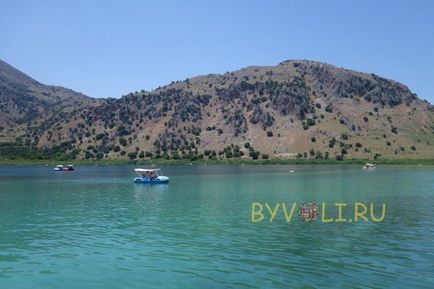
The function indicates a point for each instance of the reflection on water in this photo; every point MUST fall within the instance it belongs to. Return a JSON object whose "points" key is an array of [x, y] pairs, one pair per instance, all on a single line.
{"points": [[96, 229]]}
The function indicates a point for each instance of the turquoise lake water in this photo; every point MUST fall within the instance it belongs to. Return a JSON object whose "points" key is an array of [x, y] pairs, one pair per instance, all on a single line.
{"points": [[94, 228]]}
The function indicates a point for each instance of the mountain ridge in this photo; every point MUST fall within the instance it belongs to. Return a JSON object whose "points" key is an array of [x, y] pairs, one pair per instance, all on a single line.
{"points": [[298, 108], [25, 102]]}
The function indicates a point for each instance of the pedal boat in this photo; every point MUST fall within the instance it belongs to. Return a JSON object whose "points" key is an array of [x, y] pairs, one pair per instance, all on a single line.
{"points": [[58, 168], [369, 166], [149, 176]]}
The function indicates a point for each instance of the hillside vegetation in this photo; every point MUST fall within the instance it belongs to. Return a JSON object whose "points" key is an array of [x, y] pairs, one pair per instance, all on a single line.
{"points": [[297, 109]]}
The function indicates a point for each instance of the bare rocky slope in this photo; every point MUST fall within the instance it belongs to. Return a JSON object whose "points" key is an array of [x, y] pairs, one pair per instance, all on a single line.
{"points": [[298, 108]]}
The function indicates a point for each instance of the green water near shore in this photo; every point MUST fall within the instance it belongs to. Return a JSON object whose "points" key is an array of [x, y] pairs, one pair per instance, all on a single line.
{"points": [[94, 228]]}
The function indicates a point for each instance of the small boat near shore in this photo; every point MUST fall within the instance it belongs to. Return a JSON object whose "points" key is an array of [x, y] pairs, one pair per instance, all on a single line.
{"points": [[369, 166], [68, 168], [149, 176], [61, 168], [58, 168]]}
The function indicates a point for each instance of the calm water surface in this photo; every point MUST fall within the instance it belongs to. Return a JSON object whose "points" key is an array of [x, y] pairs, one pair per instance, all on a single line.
{"points": [[94, 228]]}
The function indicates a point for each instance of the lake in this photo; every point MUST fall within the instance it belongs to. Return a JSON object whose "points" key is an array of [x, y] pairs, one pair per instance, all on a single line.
{"points": [[94, 228]]}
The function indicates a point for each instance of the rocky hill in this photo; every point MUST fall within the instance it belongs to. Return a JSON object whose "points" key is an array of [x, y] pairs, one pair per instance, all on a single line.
{"points": [[26, 104], [297, 109]]}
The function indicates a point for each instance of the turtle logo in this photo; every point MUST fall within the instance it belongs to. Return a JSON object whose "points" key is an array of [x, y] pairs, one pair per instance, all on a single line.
{"points": [[308, 212]]}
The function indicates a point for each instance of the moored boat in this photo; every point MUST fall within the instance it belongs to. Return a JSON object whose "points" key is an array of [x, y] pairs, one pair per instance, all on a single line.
{"points": [[149, 176], [58, 168], [369, 166], [68, 168], [61, 168]]}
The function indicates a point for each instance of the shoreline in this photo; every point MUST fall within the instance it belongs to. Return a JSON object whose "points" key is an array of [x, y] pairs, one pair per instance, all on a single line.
{"points": [[53, 162]]}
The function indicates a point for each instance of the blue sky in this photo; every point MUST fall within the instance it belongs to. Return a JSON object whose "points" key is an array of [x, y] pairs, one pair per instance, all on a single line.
{"points": [[109, 48]]}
